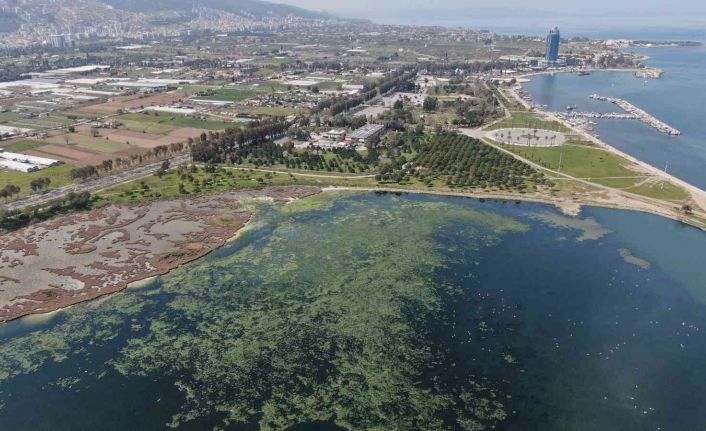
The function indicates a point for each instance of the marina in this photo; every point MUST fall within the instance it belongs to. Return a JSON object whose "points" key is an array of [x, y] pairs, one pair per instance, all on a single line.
{"points": [[638, 113]]}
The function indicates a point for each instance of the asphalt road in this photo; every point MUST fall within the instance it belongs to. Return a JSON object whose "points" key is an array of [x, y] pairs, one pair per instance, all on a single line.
{"points": [[92, 185]]}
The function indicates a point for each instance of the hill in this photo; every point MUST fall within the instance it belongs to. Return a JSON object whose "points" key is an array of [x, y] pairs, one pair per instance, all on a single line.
{"points": [[254, 7]]}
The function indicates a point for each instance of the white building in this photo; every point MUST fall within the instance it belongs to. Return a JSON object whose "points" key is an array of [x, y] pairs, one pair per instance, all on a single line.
{"points": [[23, 158], [17, 166]]}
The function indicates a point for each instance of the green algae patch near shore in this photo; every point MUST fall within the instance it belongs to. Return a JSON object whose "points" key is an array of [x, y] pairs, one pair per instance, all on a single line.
{"points": [[333, 314]]}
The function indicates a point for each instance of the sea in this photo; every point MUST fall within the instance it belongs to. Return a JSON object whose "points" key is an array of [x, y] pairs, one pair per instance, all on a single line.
{"points": [[387, 311], [676, 99]]}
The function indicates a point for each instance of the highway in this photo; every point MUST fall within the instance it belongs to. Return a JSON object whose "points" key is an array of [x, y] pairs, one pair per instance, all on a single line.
{"points": [[94, 184]]}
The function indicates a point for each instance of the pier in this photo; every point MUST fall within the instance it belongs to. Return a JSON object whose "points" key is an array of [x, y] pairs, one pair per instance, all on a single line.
{"points": [[636, 113], [611, 115]]}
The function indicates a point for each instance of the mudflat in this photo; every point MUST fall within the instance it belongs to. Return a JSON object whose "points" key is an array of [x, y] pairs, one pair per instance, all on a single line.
{"points": [[79, 257]]}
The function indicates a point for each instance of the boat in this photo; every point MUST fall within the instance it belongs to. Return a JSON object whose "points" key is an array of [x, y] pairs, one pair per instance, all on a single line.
{"points": [[583, 73], [571, 107]]}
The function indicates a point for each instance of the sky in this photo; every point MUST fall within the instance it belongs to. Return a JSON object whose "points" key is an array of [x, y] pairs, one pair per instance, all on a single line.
{"points": [[494, 14], [571, 6]]}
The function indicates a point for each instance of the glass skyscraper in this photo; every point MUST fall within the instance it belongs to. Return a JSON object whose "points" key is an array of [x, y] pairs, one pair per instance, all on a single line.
{"points": [[553, 39]]}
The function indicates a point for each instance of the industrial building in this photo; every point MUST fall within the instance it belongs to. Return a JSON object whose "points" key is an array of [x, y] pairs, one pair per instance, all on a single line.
{"points": [[366, 133]]}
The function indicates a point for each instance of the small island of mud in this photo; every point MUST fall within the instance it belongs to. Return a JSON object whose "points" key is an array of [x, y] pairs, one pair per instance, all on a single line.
{"points": [[79, 257]]}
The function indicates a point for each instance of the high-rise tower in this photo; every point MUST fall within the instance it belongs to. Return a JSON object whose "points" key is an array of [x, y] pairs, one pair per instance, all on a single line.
{"points": [[553, 39]]}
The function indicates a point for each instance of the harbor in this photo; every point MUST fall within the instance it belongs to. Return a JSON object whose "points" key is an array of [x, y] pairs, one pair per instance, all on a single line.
{"points": [[637, 113]]}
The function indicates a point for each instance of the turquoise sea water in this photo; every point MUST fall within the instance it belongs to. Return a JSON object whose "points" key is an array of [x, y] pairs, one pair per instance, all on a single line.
{"points": [[342, 315], [676, 98]]}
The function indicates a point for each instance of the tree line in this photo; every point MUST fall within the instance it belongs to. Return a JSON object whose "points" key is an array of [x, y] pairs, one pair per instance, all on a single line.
{"points": [[15, 219]]}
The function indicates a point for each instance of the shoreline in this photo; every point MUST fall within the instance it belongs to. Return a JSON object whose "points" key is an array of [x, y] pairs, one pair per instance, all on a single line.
{"points": [[697, 194], [204, 230], [568, 207]]}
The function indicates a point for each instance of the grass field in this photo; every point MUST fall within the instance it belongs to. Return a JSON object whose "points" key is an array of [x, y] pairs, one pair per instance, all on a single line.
{"points": [[144, 126], [88, 143], [529, 120], [660, 190], [22, 145], [601, 167], [167, 187], [273, 111], [164, 123], [577, 160], [59, 176], [233, 94]]}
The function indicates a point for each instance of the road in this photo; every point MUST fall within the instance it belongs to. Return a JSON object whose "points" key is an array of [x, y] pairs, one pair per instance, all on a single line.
{"points": [[93, 185]]}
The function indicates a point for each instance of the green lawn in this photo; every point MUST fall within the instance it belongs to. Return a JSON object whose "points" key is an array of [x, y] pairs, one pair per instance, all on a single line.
{"points": [[601, 167], [577, 160], [660, 190]]}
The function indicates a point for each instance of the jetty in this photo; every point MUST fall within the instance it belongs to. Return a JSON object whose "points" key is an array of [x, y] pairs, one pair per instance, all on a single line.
{"points": [[638, 114], [611, 115]]}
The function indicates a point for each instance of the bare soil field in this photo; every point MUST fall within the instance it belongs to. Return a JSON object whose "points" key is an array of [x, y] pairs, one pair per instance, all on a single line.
{"points": [[83, 256], [151, 140], [134, 102], [61, 151]]}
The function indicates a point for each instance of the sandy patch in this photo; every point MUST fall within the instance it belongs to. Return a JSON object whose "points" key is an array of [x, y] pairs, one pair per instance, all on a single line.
{"points": [[633, 260], [590, 229]]}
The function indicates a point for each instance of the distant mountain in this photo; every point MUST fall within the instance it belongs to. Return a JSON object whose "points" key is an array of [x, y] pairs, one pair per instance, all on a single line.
{"points": [[254, 7], [9, 22]]}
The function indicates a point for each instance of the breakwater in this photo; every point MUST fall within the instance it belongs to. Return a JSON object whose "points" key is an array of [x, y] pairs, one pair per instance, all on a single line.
{"points": [[638, 113]]}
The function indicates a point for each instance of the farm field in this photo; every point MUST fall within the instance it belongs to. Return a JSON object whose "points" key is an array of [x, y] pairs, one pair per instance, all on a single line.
{"points": [[163, 123], [59, 176]]}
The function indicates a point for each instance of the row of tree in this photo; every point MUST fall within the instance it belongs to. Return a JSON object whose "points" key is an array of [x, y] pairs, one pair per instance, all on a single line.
{"points": [[15, 219], [229, 146]]}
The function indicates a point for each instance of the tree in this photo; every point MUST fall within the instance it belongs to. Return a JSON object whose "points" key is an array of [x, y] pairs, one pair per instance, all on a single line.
{"points": [[9, 190], [430, 104]]}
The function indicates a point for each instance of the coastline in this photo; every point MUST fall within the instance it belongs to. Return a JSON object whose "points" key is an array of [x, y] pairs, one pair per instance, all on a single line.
{"points": [[569, 207], [697, 195]]}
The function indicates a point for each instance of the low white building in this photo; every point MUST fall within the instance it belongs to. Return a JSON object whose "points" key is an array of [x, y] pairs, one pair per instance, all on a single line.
{"points": [[17, 166], [24, 158], [335, 135]]}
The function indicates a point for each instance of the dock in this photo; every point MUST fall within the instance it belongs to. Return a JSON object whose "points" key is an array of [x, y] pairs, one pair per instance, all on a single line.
{"points": [[638, 114]]}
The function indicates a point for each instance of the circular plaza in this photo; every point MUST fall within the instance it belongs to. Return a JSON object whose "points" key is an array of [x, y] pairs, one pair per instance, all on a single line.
{"points": [[528, 137]]}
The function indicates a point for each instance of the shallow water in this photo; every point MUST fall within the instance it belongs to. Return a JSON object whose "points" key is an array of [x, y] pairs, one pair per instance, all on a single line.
{"points": [[402, 312]]}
